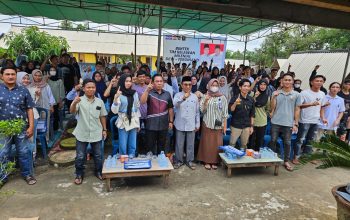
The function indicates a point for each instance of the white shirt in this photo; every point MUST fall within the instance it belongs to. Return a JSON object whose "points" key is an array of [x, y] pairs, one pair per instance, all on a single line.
{"points": [[311, 115]]}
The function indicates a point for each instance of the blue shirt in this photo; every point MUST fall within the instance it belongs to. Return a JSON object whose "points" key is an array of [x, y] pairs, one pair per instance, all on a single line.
{"points": [[187, 113], [14, 103]]}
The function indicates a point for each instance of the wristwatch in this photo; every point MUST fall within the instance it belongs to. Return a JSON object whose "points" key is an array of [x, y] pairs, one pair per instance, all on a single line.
{"points": [[296, 124]]}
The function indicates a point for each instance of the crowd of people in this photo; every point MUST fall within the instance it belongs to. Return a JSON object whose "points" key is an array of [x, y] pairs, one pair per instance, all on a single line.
{"points": [[184, 109]]}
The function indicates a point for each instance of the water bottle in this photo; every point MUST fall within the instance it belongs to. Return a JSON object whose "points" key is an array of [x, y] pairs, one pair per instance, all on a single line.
{"points": [[108, 162], [114, 161], [162, 161]]}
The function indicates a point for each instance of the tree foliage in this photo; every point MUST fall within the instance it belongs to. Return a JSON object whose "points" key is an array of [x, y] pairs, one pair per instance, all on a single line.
{"points": [[36, 44], [68, 25], [301, 38]]}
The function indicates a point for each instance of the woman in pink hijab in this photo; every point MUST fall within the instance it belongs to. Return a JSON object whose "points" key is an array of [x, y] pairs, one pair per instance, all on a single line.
{"points": [[214, 107]]}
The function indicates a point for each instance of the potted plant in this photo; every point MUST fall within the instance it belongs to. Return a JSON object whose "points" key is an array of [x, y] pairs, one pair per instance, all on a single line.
{"points": [[332, 152]]}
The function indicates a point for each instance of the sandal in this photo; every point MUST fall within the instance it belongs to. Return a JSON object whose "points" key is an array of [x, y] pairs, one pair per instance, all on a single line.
{"points": [[214, 167], [30, 180], [295, 162], [207, 166], [78, 180], [288, 167]]}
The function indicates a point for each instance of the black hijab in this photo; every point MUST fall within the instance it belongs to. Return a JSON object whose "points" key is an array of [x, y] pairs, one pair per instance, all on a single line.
{"points": [[129, 93], [262, 99]]}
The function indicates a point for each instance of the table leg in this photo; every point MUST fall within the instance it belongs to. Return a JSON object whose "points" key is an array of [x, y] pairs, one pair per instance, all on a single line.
{"points": [[229, 171], [166, 180], [276, 169], [108, 184]]}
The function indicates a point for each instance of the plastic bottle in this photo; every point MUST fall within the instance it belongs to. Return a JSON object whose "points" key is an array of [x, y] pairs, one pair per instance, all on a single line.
{"points": [[162, 161], [108, 162]]}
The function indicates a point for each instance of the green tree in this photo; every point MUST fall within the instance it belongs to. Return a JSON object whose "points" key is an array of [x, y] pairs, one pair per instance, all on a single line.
{"points": [[36, 44], [68, 25]]}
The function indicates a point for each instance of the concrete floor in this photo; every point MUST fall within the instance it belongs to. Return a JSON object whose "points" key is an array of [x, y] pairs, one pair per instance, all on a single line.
{"points": [[251, 193]]}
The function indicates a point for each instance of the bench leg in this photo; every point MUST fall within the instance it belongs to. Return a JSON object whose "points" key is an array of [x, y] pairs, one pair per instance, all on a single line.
{"points": [[229, 171], [108, 184], [276, 169], [166, 180]]}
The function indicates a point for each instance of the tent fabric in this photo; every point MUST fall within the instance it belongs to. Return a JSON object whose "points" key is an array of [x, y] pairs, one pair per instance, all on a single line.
{"points": [[332, 65], [122, 12]]}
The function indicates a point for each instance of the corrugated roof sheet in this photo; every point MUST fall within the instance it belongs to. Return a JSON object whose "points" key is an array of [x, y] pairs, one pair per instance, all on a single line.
{"points": [[332, 64]]}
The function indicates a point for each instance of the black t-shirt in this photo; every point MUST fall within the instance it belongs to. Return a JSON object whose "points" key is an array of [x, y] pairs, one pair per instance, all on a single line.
{"points": [[243, 112], [67, 72], [346, 103]]}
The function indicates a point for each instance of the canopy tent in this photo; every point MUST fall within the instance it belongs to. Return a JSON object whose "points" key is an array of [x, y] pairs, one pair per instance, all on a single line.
{"points": [[121, 12]]}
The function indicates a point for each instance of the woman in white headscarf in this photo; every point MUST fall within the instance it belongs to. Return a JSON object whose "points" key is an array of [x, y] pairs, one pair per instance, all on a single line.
{"points": [[43, 97], [224, 87], [23, 79]]}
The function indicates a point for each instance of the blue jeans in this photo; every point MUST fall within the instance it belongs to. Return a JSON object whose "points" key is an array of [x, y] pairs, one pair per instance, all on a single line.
{"points": [[286, 136], [127, 141], [23, 151], [307, 133], [80, 159]]}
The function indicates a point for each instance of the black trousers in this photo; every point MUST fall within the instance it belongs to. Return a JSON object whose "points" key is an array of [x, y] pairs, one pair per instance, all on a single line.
{"points": [[156, 141], [56, 118], [257, 138]]}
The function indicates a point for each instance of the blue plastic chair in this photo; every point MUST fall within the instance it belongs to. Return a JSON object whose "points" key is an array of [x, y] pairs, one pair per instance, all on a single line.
{"points": [[115, 142], [42, 129]]}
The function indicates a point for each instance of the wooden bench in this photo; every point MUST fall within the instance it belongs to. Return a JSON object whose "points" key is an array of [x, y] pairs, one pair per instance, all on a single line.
{"points": [[249, 162], [120, 172]]}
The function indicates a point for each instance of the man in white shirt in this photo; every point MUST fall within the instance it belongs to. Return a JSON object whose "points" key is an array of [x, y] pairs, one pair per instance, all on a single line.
{"points": [[312, 101]]}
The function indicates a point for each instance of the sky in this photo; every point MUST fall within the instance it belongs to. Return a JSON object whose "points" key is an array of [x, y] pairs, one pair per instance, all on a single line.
{"points": [[231, 45]]}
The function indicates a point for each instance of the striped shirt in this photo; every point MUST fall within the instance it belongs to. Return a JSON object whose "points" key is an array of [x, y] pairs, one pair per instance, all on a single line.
{"points": [[217, 109]]}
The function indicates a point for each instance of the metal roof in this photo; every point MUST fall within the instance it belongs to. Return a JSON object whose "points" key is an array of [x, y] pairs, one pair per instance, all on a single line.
{"points": [[122, 12], [332, 65]]}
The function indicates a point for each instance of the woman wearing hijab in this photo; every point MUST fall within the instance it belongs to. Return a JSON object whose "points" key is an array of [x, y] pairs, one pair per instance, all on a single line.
{"points": [[214, 108], [194, 83], [57, 88], [100, 85], [224, 87], [262, 109], [127, 105], [42, 95], [23, 79]]}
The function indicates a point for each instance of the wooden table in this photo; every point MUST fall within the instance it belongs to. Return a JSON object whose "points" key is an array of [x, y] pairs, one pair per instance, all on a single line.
{"points": [[249, 162], [120, 172]]}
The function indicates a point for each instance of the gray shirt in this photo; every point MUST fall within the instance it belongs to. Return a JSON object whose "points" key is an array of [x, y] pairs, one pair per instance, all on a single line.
{"points": [[187, 116], [285, 107], [89, 127]]}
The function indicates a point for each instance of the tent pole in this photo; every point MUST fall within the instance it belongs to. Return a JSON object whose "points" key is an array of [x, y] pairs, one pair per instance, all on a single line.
{"points": [[159, 38], [135, 47], [245, 48], [346, 65]]}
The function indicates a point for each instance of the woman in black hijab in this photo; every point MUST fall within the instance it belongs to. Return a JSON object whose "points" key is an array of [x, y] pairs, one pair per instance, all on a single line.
{"points": [[126, 104], [262, 109]]}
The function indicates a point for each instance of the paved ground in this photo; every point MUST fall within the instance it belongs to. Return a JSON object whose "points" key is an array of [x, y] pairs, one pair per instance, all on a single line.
{"points": [[252, 193]]}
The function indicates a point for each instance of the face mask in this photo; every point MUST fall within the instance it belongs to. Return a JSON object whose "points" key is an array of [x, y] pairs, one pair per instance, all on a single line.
{"points": [[52, 73], [165, 78], [297, 86], [214, 89]]}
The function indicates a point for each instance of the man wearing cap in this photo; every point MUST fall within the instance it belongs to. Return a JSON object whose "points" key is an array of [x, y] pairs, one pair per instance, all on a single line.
{"points": [[186, 122]]}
